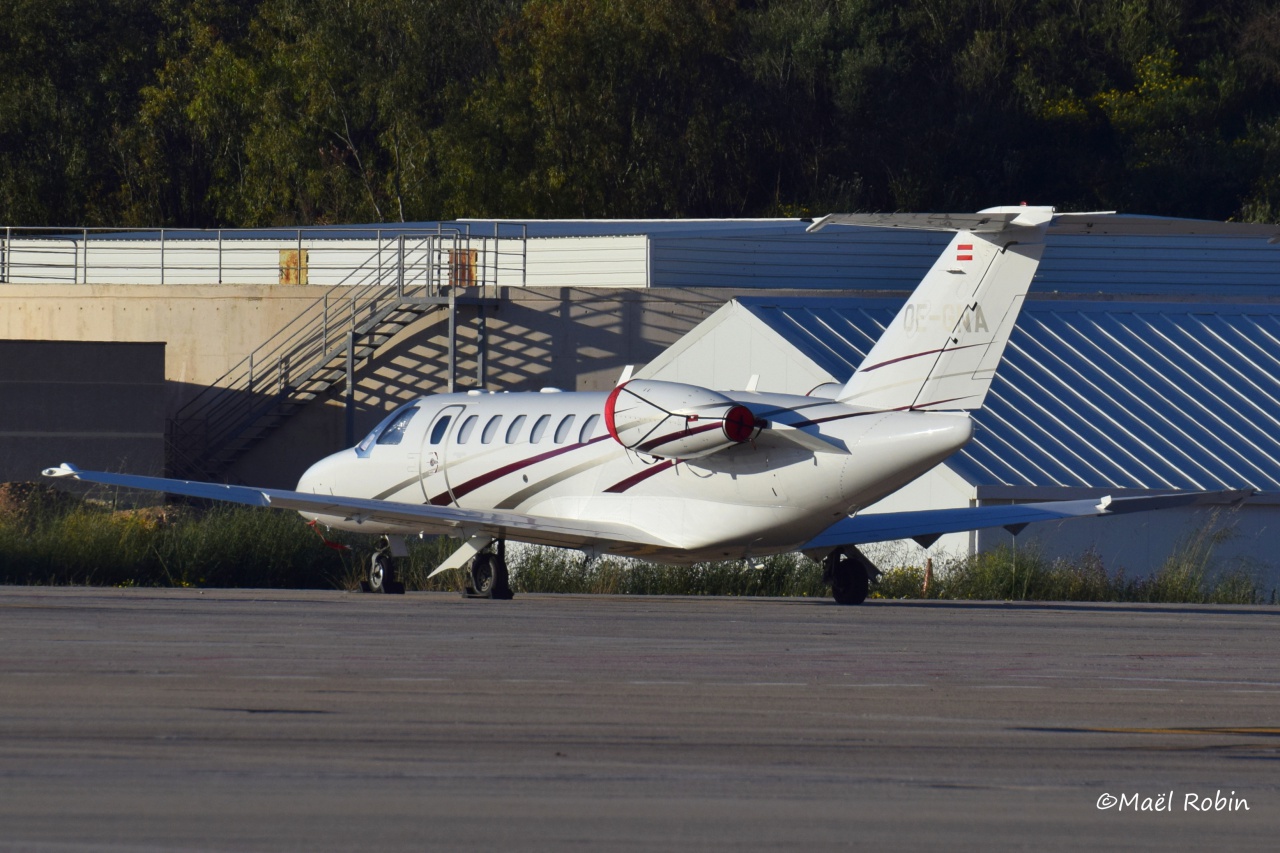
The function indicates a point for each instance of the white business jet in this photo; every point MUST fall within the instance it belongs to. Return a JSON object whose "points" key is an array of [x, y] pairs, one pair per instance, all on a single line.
{"points": [[677, 473]]}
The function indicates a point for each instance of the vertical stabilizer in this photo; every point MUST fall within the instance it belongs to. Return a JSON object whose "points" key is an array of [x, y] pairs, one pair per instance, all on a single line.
{"points": [[942, 349]]}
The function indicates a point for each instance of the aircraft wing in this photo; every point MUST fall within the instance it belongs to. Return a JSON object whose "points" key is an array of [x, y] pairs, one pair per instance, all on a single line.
{"points": [[411, 518], [926, 526]]}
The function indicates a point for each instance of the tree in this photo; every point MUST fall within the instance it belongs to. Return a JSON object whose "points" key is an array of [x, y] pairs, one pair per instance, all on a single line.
{"points": [[70, 74], [602, 108]]}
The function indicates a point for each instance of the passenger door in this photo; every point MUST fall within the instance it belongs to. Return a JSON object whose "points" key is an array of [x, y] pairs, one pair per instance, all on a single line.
{"points": [[436, 443]]}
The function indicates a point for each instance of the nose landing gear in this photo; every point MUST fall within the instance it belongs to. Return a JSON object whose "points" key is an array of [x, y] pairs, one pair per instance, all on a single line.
{"points": [[380, 575]]}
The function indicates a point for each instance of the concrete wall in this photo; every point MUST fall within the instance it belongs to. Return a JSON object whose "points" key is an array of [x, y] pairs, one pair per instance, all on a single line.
{"points": [[96, 404], [208, 328], [576, 339]]}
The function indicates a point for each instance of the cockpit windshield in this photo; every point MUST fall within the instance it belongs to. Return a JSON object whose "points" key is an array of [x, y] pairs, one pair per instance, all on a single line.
{"points": [[390, 430]]}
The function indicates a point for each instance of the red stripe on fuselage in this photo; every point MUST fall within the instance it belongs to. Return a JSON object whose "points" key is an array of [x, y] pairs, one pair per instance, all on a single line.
{"points": [[485, 479], [622, 485]]}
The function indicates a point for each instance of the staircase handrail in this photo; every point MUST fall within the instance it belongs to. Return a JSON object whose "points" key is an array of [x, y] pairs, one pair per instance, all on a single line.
{"points": [[313, 338]]}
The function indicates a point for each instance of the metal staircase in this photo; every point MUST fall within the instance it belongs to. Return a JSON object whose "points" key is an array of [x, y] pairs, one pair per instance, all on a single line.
{"points": [[318, 349]]}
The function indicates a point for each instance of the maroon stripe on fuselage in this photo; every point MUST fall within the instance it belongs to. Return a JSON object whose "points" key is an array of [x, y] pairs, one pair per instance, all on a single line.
{"points": [[488, 477], [622, 485]]}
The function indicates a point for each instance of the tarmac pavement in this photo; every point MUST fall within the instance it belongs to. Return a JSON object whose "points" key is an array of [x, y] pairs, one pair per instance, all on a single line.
{"points": [[255, 720]]}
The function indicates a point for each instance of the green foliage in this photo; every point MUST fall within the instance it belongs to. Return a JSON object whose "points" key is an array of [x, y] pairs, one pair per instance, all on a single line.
{"points": [[70, 76], [556, 570], [1189, 575], [50, 538], [262, 112], [223, 546]]}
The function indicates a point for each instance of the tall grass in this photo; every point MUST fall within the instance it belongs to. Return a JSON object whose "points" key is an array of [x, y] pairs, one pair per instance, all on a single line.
{"points": [[539, 569], [48, 538], [1189, 575]]}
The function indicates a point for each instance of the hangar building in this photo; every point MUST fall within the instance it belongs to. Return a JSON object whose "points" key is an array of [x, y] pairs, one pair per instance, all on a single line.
{"points": [[1139, 363]]}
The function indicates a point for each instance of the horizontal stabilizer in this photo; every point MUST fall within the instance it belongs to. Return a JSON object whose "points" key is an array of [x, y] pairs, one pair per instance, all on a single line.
{"points": [[928, 525], [1103, 223]]}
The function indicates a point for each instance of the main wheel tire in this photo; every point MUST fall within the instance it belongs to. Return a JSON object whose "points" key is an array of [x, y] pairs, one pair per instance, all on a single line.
{"points": [[482, 576], [849, 581], [380, 576], [501, 579]]}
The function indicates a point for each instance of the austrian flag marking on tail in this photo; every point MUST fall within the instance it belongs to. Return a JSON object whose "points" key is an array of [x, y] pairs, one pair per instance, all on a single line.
{"points": [[964, 252]]}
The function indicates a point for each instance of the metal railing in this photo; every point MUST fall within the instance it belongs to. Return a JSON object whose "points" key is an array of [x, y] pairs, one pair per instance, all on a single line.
{"points": [[314, 256], [307, 356]]}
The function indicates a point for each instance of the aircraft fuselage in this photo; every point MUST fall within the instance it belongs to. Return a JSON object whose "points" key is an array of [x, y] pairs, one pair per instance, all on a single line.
{"points": [[549, 454]]}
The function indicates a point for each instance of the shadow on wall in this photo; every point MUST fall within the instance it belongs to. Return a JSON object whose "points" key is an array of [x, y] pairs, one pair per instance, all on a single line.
{"points": [[566, 338]]}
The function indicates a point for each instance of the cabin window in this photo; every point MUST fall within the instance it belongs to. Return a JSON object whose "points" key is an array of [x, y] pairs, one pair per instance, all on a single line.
{"points": [[539, 429], [394, 432], [588, 428], [441, 427], [491, 429], [562, 431], [468, 427], [513, 431]]}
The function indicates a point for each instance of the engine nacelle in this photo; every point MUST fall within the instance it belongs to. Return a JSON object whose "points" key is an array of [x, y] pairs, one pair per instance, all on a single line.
{"points": [[676, 421]]}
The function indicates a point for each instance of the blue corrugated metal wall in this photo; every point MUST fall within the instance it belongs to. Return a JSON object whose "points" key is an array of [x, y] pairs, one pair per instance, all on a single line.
{"points": [[1099, 394], [877, 259]]}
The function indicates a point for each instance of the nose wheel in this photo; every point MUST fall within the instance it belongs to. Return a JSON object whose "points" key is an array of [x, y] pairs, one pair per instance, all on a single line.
{"points": [[380, 574]]}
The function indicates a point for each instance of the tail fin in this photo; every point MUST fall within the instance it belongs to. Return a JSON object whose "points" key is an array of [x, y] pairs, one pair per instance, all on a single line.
{"points": [[942, 349]]}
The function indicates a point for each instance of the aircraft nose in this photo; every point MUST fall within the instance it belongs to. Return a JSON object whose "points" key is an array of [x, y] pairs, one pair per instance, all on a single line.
{"points": [[321, 478]]}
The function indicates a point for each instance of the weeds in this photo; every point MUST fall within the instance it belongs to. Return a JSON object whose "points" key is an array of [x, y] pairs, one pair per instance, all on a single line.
{"points": [[537, 569], [1189, 575], [49, 538], [87, 542]]}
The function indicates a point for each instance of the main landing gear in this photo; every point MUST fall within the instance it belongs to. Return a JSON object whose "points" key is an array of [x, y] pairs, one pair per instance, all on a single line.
{"points": [[486, 570], [380, 572], [487, 575], [849, 573]]}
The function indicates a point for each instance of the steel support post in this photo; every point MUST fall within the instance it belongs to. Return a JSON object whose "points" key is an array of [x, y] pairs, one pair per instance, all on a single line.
{"points": [[481, 345], [351, 388], [453, 345]]}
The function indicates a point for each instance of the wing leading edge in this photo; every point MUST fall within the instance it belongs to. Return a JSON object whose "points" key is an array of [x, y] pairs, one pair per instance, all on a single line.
{"points": [[409, 518], [926, 526]]}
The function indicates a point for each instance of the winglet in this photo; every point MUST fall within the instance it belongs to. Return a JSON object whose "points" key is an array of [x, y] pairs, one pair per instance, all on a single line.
{"points": [[66, 469]]}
